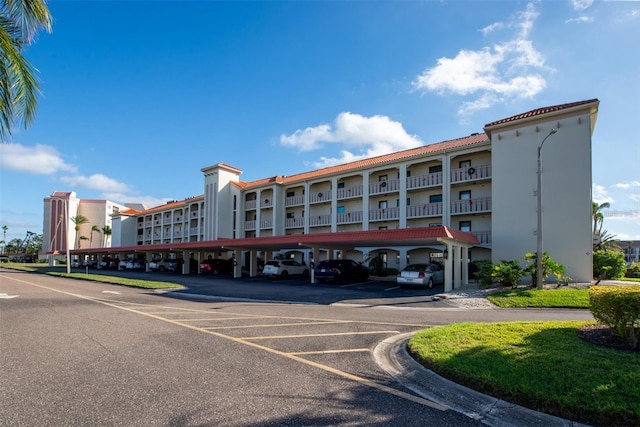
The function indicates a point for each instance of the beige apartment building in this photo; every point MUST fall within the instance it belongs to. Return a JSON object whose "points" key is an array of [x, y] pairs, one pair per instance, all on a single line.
{"points": [[481, 189]]}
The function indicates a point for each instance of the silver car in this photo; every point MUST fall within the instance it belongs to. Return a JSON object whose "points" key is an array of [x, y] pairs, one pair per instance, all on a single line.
{"points": [[285, 268], [427, 274]]}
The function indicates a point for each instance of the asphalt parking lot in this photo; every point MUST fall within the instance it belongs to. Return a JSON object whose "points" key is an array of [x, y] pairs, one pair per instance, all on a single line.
{"points": [[291, 290]]}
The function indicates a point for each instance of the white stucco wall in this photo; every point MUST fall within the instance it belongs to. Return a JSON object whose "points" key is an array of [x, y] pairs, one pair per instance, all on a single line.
{"points": [[566, 191]]}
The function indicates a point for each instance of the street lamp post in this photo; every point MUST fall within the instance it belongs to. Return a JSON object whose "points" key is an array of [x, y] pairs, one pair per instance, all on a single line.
{"points": [[539, 278]]}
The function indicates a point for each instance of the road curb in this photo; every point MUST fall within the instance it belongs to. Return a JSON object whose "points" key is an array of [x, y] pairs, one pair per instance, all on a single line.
{"points": [[392, 356]]}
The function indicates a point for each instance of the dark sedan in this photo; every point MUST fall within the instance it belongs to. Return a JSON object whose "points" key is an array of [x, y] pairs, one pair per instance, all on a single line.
{"points": [[341, 270]]}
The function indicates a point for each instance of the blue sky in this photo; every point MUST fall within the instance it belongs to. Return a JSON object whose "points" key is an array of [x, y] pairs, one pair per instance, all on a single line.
{"points": [[138, 96]]}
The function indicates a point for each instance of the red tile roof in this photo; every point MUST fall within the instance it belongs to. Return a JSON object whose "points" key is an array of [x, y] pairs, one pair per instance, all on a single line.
{"points": [[541, 111], [476, 138]]}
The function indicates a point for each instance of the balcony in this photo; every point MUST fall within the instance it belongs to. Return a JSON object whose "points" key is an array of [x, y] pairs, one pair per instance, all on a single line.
{"points": [[294, 201], [473, 173], [293, 222], [266, 223], [424, 181], [249, 225], [319, 220], [484, 237], [349, 217], [319, 197], [384, 214], [426, 210], [479, 205], [381, 187], [266, 203], [349, 192], [249, 205]]}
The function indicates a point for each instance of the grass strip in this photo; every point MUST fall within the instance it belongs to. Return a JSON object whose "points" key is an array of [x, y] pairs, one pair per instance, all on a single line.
{"points": [[115, 280], [544, 366], [542, 298]]}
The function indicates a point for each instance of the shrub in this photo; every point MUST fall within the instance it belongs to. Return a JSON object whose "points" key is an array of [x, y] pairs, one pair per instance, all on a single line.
{"points": [[507, 273], [619, 308], [549, 266], [633, 270], [483, 272], [608, 264]]}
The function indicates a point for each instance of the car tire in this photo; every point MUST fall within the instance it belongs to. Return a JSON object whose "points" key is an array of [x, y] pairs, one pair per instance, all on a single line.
{"points": [[305, 274], [284, 274]]}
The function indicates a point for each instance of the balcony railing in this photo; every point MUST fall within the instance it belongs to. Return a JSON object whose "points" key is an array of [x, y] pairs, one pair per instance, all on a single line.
{"points": [[471, 206], [320, 196], [266, 203], [384, 214], [249, 204], [266, 223], [388, 186], [319, 220], [293, 222], [471, 173], [484, 237], [349, 217], [425, 210], [294, 201], [249, 225], [346, 193], [423, 181]]}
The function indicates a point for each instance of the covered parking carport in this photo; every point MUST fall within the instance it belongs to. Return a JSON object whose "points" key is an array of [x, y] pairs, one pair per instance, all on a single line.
{"points": [[456, 246]]}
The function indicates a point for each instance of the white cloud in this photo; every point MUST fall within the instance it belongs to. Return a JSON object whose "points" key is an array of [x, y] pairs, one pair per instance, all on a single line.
{"points": [[493, 74], [580, 20], [369, 136], [123, 198], [581, 4], [600, 195], [96, 181], [39, 159], [627, 185]]}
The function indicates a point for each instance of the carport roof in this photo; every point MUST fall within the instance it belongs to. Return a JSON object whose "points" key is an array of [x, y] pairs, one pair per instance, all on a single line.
{"points": [[347, 239]]}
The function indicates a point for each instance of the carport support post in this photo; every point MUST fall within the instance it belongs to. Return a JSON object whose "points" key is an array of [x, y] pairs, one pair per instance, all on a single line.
{"points": [[147, 257], [457, 277], [186, 262], [253, 263], [465, 266], [448, 285], [237, 259]]}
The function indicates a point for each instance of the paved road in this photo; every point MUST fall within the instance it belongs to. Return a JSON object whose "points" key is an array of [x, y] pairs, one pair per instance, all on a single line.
{"points": [[84, 353]]}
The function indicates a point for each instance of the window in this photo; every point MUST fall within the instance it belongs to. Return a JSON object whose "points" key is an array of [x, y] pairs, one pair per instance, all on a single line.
{"points": [[341, 209], [382, 178], [465, 226], [291, 193], [435, 198], [291, 214], [408, 173], [383, 227], [465, 164], [434, 169], [382, 204], [435, 224], [340, 185], [464, 195]]}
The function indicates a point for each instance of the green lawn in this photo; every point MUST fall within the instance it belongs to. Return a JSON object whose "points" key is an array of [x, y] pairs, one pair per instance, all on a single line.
{"points": [[61, 271], [542, 298], [541, 365]]}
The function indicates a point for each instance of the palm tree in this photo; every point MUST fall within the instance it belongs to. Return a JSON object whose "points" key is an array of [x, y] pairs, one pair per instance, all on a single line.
{"points": [[106, 230], [598, 216], [20, 20], [93, 228], [4, 235], [78, 220]]}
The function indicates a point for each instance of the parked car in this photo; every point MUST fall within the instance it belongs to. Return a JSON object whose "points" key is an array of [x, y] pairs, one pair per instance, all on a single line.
{"points": [[135, 264], [91, 263], [166, 265], [427, 274], [216, 266], [341, 270], [108, 263], [284, 268]]}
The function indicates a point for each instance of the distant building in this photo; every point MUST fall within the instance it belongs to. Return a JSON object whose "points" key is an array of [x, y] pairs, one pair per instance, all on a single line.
{"points": [[631, 250]]}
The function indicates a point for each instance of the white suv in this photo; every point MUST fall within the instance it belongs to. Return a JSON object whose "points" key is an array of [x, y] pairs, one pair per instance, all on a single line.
{"points": [[284, 268]]}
